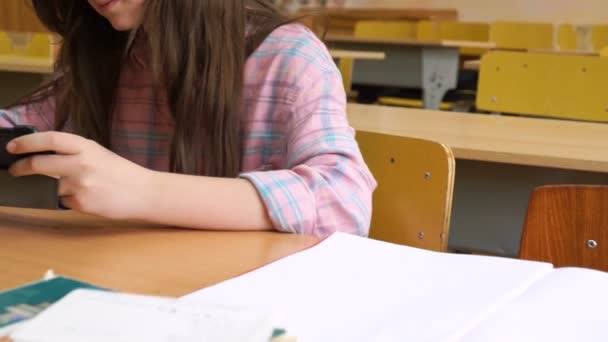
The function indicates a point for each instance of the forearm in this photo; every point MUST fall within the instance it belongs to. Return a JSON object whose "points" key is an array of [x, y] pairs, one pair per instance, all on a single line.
{"points": [[203, 203]]}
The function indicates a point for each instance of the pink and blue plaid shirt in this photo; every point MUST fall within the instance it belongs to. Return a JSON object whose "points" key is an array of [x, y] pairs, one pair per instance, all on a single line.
{"points": [[299, 150]]}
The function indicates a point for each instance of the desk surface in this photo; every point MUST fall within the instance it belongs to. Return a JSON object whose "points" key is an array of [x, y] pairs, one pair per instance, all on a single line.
{"points": [[336, 38], [130, 257], [495, 138]]}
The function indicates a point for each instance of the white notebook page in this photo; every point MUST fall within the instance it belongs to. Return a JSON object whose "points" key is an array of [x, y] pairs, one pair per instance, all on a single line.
{"points": [[354, 289], [569, 304], [93, 316]]}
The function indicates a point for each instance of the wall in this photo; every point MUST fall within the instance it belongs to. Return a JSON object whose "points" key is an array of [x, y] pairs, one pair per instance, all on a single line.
{"points": [[557, 11]]}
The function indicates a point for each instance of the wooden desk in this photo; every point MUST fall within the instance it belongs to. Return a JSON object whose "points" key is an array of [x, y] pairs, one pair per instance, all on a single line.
{"points": [[17, 15], [500, 160], [495, 138], [343, 20], [429, 65], [130, 257]]}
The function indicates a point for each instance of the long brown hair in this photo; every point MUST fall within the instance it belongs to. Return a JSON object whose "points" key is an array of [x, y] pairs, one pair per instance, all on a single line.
{"points": [[198, 51]]}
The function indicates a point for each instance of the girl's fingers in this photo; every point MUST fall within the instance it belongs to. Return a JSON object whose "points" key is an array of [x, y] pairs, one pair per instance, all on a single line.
{"points": [[62, 143], [52, 165]]}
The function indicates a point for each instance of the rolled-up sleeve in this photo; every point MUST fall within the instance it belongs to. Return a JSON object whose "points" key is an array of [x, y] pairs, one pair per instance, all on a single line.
{"points": [[38, 114], [326, 186]]}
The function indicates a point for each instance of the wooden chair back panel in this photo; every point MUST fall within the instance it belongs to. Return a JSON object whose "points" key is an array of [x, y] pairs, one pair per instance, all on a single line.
{"points": [[550, 85], [412, 204], [567, 226]]}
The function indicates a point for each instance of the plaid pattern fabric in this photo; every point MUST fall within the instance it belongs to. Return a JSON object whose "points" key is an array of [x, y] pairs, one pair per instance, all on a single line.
{"points": [[299, 150]]}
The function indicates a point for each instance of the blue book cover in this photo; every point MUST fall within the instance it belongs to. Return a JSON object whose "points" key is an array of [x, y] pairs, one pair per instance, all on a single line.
{"points": [[20, 304]]}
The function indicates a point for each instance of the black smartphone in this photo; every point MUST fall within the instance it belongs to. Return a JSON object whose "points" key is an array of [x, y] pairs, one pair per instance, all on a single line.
{"points": [[8, 134], [36, 191]]}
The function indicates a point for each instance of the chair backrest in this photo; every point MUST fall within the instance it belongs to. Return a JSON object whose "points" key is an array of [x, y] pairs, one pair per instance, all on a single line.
{"points": [[582, 37], [455, 30], [413, 201], [521, 35], [551, 85], [568, 38], [567, 226], [599, 37], [604, 52], [26, 44]]}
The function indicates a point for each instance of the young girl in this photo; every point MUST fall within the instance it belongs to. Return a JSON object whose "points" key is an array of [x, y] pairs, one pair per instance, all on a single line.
{"points": [[211, 114]]}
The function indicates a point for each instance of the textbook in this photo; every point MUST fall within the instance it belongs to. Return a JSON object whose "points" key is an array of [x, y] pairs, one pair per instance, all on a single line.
{"points": [[23, 303], [99, 316], [353, 289]]}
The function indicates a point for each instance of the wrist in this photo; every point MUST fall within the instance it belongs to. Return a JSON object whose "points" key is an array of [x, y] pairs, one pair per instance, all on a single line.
{"points": [[145, 193]]}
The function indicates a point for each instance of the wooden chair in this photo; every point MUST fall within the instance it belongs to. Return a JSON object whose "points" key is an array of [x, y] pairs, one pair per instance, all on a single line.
{"points": [[413, 201], [549, 85], [567, 225], [522, 36], [455, 30]]}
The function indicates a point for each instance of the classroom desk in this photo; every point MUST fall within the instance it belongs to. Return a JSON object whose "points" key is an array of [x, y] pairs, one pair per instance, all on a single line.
{"points": [[500, 160], [131, 257], [429, 65]]}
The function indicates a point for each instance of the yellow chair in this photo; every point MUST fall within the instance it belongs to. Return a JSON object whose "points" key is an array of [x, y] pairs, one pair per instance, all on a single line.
{"points": [[550, 85], [599, 37], [413, 201], [522, 36], [455, 30], [604, 52], [25, 50], [568, 38]]}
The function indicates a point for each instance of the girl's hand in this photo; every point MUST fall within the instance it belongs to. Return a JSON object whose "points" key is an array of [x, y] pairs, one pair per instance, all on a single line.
{"points": [[92, 179]]}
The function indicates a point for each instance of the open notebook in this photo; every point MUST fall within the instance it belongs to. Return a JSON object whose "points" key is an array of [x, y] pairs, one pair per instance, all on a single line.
{"points": [[354, 289]]}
